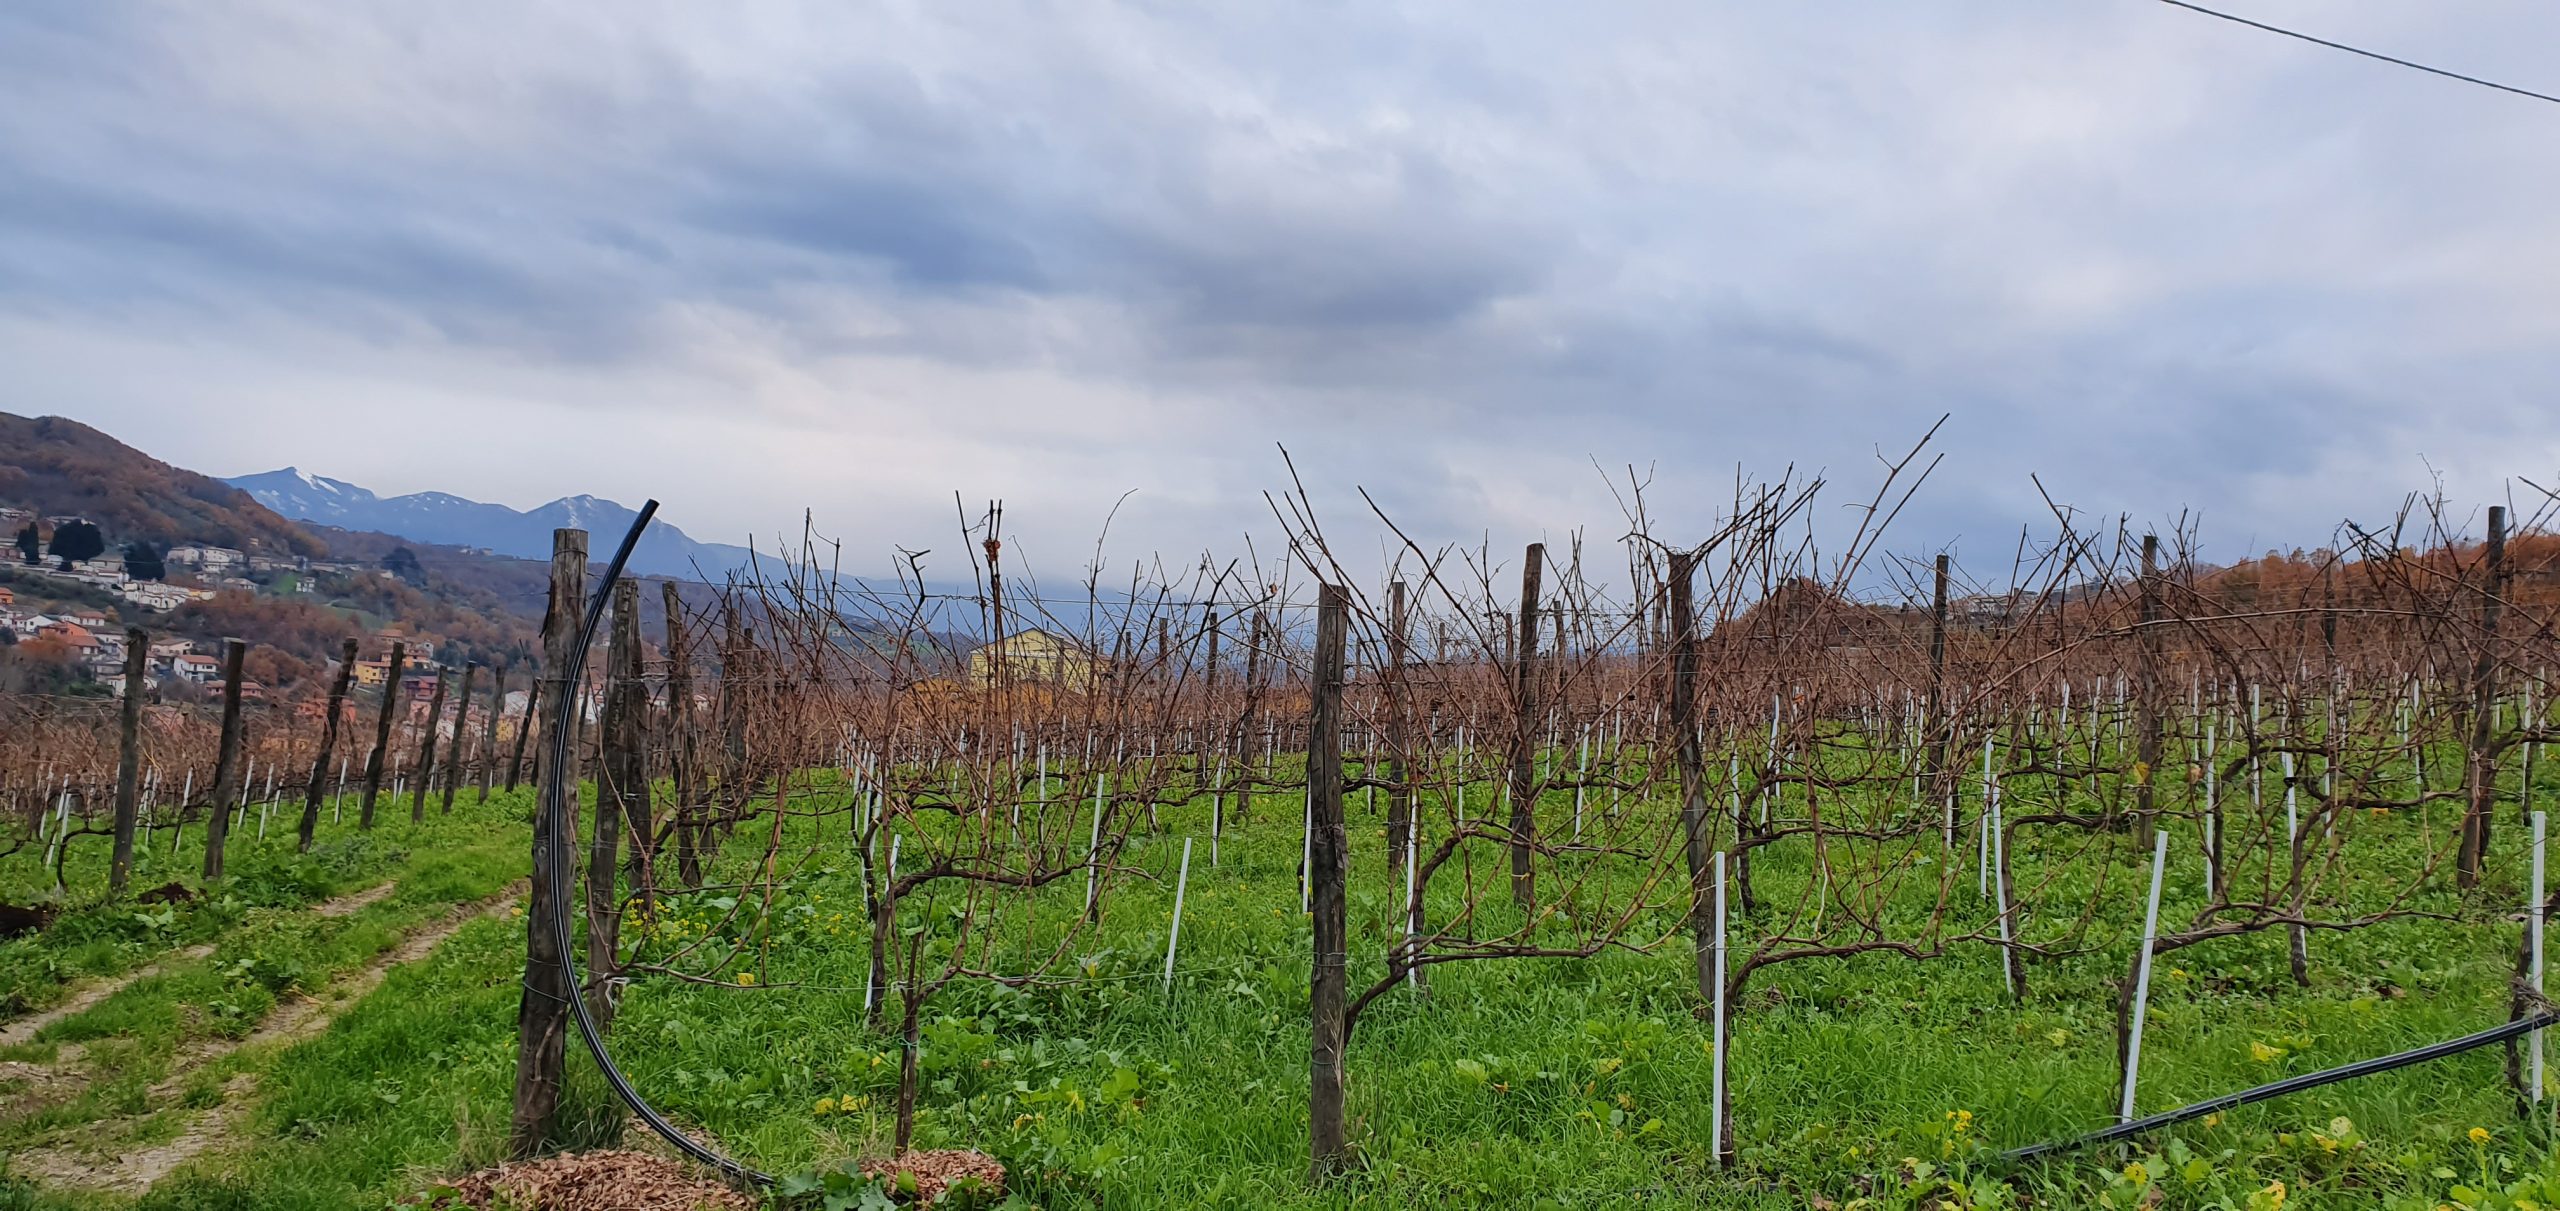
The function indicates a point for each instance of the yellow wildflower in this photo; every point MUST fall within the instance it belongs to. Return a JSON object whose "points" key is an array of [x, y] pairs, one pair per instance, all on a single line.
{"points": [[746, 979], [826, 1105], [2479, 1135], [2263, 1053]]}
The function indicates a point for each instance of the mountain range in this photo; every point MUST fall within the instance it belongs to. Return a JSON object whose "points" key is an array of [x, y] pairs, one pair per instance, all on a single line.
{"points": [[441, 517], [55, 465]]}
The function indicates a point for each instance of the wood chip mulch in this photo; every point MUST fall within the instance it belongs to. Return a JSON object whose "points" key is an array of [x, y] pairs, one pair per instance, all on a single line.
{"points": [[597, 1181], [936, 1169]]}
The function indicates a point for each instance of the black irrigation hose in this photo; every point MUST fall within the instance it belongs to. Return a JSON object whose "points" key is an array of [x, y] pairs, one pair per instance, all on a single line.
{"points": [[2293, 1084], [554, 807]]}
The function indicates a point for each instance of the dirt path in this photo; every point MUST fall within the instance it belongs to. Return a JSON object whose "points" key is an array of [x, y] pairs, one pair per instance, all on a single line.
{"points": [[24, 1030], [135, 1170]]}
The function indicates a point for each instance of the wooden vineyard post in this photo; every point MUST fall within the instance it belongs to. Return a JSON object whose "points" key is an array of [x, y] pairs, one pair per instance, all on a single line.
{"points": [[2483, 765], [732, 716], [1935, 733], [328, 741], [381, 735], [1328, 868], [489, 740], [1524, 734], [681, 774], [626, 764], [1705, 864], [524, 728], [226, 764], [1400, 802], [461, 721], [427, 752], [137, 666], [543, 1013], [2146, 708]]}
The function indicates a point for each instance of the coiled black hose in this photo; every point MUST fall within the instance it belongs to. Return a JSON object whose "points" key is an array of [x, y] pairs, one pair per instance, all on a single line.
{"points": [[555, 811]]}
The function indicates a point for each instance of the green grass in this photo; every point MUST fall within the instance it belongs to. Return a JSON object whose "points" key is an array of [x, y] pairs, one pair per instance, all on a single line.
{"points": [[1544, 1082], [137, 1037], [99, 935]]}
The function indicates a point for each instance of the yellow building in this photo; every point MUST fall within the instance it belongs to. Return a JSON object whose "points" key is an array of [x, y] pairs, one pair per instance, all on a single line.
{"points": [[1032, 655]]}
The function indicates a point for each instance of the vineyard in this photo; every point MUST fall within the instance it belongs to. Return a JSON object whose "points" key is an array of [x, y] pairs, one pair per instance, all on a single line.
{"points": [[1720, 871]]}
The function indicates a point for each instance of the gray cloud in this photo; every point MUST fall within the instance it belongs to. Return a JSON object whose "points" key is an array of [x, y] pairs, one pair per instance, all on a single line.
{"points": [[856, 258]]}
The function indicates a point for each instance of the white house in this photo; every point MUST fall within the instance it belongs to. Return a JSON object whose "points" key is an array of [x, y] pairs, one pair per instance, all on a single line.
{"points": [[156, 597], [211, 561]]}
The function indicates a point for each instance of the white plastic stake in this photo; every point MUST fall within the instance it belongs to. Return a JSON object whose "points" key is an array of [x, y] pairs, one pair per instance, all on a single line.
{"points": [[2534, 912], [180, 829], [2142, 976], [1715, 1101], [1174, 938], [2212, 877], [1581, 774], [1093, 850], [2000, 889], [1982, 850], [1413, 905], [871, 990]]}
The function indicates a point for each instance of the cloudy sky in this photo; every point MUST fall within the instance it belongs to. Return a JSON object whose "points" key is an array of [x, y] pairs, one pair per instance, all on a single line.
{"points": [[854, 258]]}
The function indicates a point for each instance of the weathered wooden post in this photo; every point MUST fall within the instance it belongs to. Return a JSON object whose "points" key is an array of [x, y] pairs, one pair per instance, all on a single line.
{"points": [[461, 721], [2484, 707], [542, 1014], [137, 667], [1936, 737], [683, 774], [2146, 769], [427, 751], [734, 659], [1328, 868], [1700, 847], [328, 740], [489, 740], [622, 791], [1399, 738], [381, 734], [524, 725], [226, 764], [1524, 734]]}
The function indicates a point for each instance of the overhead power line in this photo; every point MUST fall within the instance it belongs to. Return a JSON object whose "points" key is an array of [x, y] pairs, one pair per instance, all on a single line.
{"points": [[2353, 50]]}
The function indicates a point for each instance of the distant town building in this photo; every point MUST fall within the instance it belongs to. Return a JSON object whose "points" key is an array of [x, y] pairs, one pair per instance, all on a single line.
{"points": [[1033, 655], [201, 670], [207, 561], [159, 598]]}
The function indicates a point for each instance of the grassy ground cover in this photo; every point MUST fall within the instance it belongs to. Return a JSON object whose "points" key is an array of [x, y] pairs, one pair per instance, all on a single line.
{"points": [[1878, 1080]]}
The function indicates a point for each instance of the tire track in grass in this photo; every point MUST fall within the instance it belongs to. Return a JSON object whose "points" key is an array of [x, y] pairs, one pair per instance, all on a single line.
{"points": [[132, 1170], [88, 996]]}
